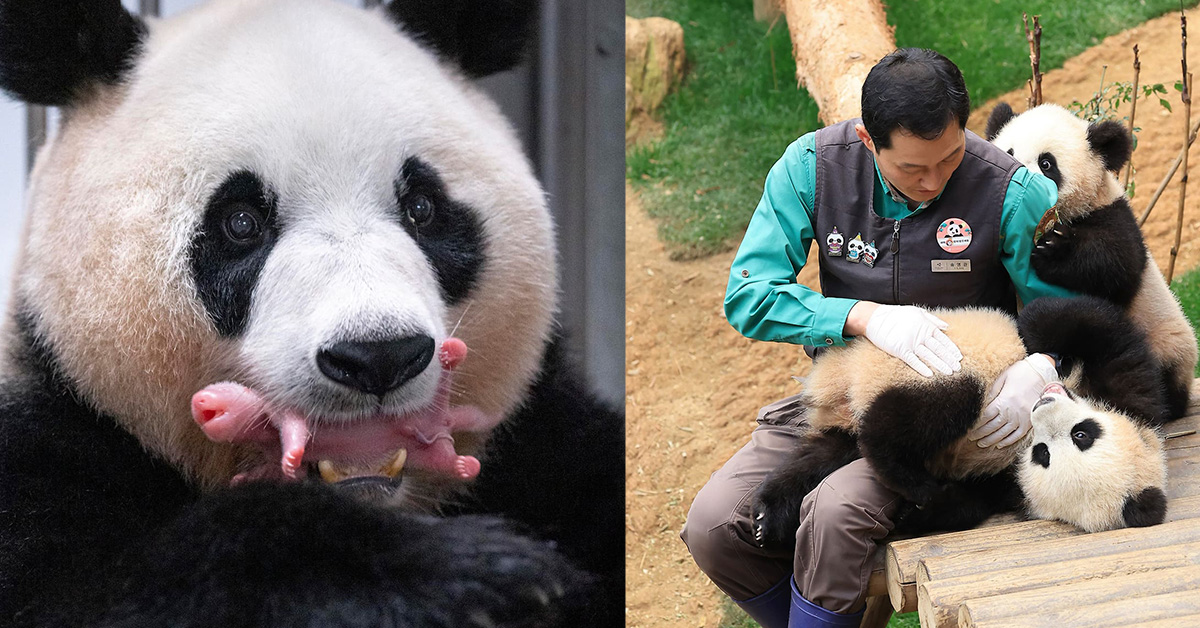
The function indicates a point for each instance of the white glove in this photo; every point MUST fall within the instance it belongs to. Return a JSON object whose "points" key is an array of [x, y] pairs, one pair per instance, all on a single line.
{"points": [[915, 336], [1006, 417]]}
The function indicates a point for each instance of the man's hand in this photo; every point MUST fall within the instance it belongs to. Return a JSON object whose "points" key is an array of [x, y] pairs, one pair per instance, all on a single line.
{"points": [[1006, 417], [913, 335]]}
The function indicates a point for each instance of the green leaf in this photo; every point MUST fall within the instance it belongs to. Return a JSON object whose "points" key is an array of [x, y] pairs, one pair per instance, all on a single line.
{"points": [[1164, 103], [1179, 86]]}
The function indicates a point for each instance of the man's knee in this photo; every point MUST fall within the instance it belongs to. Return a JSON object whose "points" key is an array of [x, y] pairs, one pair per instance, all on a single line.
{"points": [[708, 531], [849, 501]]}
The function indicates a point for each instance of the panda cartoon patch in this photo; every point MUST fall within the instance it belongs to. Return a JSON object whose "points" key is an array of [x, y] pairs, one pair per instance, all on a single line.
{"points": [[282, 347]]}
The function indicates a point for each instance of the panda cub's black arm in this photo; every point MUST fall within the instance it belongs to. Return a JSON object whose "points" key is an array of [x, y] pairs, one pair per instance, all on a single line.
{"points": [[96, 532], [1101, 254], [557, 466]]}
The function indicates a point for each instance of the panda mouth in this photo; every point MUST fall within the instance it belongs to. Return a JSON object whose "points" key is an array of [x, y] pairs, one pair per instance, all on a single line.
{"points": [[229, 412]]}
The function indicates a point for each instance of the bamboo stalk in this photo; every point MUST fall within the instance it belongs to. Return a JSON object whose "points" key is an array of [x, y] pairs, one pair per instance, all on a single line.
{"points": [[1170, 175], [1187, 120], [1034, 37], [1137, 68]]}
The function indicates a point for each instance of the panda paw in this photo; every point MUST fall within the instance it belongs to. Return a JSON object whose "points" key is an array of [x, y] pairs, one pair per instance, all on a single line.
{"points": [[1053, 247], [775, 518]]}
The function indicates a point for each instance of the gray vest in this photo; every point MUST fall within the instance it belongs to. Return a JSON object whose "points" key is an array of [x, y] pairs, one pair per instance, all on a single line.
{"points": [[920, 259]]}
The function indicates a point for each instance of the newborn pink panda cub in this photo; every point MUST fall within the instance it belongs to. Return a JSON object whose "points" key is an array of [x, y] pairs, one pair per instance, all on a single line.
{"points": [[233, 413]]}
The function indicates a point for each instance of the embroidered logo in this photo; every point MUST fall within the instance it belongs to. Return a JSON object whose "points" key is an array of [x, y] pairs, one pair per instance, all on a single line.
{"points": [[954, 235]]}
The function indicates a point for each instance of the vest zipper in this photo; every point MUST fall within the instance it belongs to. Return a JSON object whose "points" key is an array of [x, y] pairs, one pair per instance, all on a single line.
{"points": [[896, 262]]}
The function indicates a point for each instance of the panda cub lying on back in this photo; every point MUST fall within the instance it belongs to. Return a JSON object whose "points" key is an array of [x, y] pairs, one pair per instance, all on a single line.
{"points": [[913, 430], [276, 241], [1090, 466], [1096, 247]]}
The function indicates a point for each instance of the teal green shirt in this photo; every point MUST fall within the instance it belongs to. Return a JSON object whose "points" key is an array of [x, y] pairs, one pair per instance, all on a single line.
{"points": [[770, 305]]}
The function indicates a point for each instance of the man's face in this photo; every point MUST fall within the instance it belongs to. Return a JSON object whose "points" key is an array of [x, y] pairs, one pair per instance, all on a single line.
{"points": [[919, 168]]}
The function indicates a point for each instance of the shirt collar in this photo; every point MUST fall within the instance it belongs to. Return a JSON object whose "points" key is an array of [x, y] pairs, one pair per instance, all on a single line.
{"points": [[896, 195]]}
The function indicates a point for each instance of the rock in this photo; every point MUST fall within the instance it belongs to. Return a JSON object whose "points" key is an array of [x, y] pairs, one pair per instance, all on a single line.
{"points": [[654, 64]]}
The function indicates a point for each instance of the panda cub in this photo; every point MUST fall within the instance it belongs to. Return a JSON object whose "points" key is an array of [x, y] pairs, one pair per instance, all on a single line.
{"points": [[863, 402], [1092, 467], [1096, 247], [282, 255]]}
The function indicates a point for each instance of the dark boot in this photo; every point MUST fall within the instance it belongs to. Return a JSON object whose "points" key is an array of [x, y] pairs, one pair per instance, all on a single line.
{"points": [[770, 609], [805, 614]]}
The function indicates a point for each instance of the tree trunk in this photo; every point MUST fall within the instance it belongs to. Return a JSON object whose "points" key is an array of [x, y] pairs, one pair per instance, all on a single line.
{"points": [[836, 44]]}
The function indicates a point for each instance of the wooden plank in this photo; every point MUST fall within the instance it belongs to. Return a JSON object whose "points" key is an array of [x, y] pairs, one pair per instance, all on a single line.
{"points": [[1170, 622], [904, 556], [1066, 598], [1055, 549], [878, 613], [1116, 613], [938, 600]]}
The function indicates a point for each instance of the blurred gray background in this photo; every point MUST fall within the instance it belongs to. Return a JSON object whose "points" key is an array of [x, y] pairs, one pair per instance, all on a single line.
{"points": [[566, 101]]}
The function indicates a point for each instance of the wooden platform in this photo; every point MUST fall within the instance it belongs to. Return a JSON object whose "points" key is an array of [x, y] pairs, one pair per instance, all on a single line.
{"points": [[1024, 574]]}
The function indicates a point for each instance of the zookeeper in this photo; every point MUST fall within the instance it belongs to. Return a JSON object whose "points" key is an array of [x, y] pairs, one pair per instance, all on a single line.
{"points": [[907, 207]]}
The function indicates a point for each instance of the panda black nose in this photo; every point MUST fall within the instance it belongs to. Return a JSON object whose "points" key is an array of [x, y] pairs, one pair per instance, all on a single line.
{"points": [[1041, 455], [376, 366]]}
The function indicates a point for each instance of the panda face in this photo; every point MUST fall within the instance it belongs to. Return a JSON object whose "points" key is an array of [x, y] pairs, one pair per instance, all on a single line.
{"points": [[1087, 462], [1079, 158], [267, 202]]}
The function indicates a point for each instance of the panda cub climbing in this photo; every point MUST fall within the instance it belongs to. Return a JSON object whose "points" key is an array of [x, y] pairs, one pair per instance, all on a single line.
{"points": [[1092, 467], [1096, 247]]}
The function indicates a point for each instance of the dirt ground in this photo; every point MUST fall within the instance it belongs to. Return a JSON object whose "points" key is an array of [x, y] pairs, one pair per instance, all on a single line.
{"points": [[693, 384]]}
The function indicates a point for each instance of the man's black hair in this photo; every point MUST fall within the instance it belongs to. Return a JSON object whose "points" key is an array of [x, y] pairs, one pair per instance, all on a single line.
{"points": [[913, 89]]}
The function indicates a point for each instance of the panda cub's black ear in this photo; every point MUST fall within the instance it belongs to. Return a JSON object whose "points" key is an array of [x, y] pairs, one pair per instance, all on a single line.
{"points": [[1147, 508], [481, 36], [1111, 141], [1000, 117], [51, 51]]}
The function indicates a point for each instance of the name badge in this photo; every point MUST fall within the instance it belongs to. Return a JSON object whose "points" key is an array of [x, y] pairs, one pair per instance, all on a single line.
{"points": [[951, 265]]}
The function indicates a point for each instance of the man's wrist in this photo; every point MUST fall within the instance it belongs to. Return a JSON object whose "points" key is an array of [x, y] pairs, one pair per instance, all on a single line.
{"points": [[857, 318], [1044, 365]]}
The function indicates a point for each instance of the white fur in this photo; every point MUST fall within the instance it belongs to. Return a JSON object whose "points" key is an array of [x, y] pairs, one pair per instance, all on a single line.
{"points": [[1088, 488], [324, 102], [1049, 128]]}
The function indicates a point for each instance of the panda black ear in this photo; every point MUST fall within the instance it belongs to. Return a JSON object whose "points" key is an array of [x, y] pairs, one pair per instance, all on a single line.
{"points": [[51, 51], [1147, 508], [481, 36], [1000, 117], [1111, 141]]}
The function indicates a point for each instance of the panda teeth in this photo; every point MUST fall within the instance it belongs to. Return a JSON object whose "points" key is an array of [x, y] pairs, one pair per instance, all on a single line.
{"points": [[329, 473], [396, 464]]}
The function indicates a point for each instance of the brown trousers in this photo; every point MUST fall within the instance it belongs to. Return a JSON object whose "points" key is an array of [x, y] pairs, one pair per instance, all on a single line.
{"points": [[840, 522]]}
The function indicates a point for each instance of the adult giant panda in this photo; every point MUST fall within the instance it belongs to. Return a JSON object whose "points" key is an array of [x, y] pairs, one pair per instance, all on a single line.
{"points": [[313, 204], [1096, 247], [913, 430]]}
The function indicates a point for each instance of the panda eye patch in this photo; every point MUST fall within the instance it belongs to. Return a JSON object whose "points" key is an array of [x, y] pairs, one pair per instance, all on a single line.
{"points": [[418, 208], [243, 224], [1085, 433], [1047, 163]]}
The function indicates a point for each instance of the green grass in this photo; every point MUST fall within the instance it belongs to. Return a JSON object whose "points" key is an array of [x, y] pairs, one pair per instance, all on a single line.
{"points": [[1187, 288], [736, 112], [735, 618], [732, 119], [986, 38]]}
